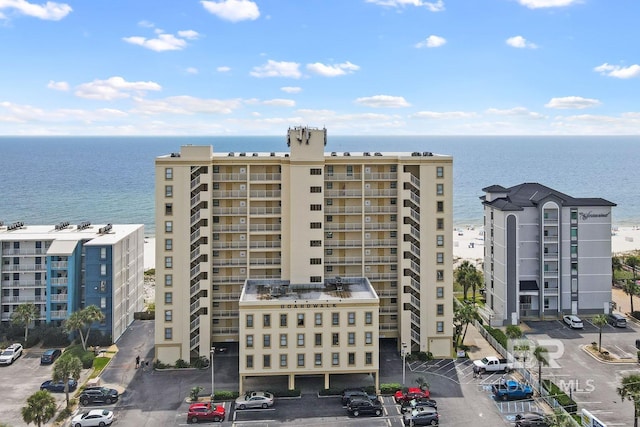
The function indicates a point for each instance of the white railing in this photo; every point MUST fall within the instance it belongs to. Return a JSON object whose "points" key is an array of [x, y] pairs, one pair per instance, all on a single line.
{"points": [[382, 276], [241, 244], [342, 260], [224, 313], [381, 209], [195, 182], [342, 177], [59, 265], [229, 176], [380, 259], [226, 296], [229, 261], [35, 298], [195, 235], [228, 279], [415, 181], [194, 324], [195, 270], [23, 283], [343, 226], [380, 175], [195, 288], [415, 319], [229, 227], [59, 314], [415, 198], [265, 261], [217, 194], [59, 297], [265, 177], [381, 193], [332, 243], [343, 209], [265, 193], [266, 227], [228, 211], [59, 281], [265, 245], [381, 242], [343, 193], [266, 211], [380, 226], [26, 251]]}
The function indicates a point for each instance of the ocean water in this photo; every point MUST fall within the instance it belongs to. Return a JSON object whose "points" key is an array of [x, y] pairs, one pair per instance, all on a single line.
{"points": [[46, 180]]}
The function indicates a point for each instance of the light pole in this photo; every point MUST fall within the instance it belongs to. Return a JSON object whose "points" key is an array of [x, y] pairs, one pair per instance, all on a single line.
{"points": [[404, 358], [213, 351]]}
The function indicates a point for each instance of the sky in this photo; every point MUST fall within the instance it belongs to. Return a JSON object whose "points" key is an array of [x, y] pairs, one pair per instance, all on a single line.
{"points": [[356, 67]]}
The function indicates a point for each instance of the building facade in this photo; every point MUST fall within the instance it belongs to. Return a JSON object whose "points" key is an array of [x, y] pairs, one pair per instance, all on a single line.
{"points": [[294, 330], [302, 216], [546, 253], [64, 268]]}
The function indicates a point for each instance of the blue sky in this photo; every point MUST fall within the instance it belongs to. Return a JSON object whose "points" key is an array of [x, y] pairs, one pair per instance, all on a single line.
{"points": [[357, 67]]}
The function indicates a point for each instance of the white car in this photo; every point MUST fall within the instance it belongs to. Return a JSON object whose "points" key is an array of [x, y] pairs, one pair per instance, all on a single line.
{"points": [[10, 354], [574, 322], [95, 417], [255, 399]]}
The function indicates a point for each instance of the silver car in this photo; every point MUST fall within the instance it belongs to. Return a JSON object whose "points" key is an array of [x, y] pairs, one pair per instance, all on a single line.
{"points": [[255, 399]]}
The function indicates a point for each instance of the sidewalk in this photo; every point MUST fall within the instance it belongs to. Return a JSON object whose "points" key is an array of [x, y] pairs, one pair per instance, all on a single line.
{"points": [[478, 346]]}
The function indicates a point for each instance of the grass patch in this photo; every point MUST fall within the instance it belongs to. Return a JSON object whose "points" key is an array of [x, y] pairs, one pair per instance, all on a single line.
{"points": [[98, 365]]}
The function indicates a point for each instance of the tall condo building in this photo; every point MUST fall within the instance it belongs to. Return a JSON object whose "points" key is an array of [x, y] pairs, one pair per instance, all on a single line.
{"points": [[307, 217], [546, 253], [64, 268]]}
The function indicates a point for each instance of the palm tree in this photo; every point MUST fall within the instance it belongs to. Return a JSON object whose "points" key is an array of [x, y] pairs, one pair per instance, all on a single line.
{"points": [[541, 353], [461, 274], [631, 288], [41, 407], [616, 265], [599, 321], [474, 277], [24, 314], [513, 332], [630, 390], [464, 314], [65, 368], [82, 319], [632, 261]]}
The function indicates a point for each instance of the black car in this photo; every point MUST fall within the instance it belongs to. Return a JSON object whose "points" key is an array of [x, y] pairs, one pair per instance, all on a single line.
{"points": [[532, 419], [50, 356], [418, 403], [350, 393], [364, 406], [98, 395], [423, 417]]}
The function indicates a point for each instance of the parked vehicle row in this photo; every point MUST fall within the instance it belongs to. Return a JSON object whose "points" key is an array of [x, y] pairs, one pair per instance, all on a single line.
{"points": [[512, 390], [417, 407], [204, 411], [58, 386], [98, 394], [93, 418], [10, 354]]}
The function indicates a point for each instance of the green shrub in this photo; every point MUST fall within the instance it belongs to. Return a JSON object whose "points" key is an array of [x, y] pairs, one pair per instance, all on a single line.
{"points": [[389, 388], [420, 356], [159, 365], [182, 363], [286, 393], [201, 362], [330, 392], [64, 414], [55, 336], [86, 357], [563, 399], [195, 392], [225, 395], [498, 335]]}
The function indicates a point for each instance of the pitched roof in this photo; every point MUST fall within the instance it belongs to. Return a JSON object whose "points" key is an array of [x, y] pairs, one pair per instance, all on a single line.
{"points": [[529, 194]]}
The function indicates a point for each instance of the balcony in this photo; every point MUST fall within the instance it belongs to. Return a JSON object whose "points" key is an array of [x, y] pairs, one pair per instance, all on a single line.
{"points": [[59, 314], [342, 177], [381, 226], [229, 261], [383, 276], [224, 313], [380, 259], [265, 245], [25, 267], [195, 324], [328, 260], [25, 251], [239, 244], [415, 319], [343, 210], [233, 296], [59, 281], [224, 228], [341, 226], [265, 227], [230, 194], [265, 194], [380, 176], [335, 243], [229, 279], [23, 283], [391, 192], [257, 211], [229, 176], [23, 299], [59, 265], [342, 193], [229, 211], [381, 209], [380, 243], [265, 177], [264, 261], [59, 297]]}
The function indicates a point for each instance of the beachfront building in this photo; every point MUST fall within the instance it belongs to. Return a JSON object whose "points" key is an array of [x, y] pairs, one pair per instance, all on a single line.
{"points": [[64, 268], [546, 253], [328, 329], [305, 216]]}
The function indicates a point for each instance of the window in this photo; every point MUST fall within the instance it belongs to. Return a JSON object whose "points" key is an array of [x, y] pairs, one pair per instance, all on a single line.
{"points": [[168, 297], [283, 320], [351, 316], [330, 170], [393, 234], [440, 240], [574, 215], [393, 201], [316, 207], [315, 243], [440, 257], [368, 318], [300, 340], [351, 338], [317, 359], [283, 340], [335, 319], [103, 269], [439, 189], [168, 226], [393, 168], [574, 233], [266, 320], [546, 303], [351, 358], [301, 360], [318, 340], [249, 361], [393, 251], [168, 208], [315, 261], [249, 320], [266, 340], [300, 319], [440, 223], [318, 320], [266, 361], [316, 225], [315, 171], [168, 190], [439, 327], [349, 170], [168, 262], [168, 244], [249, 341], [168, 333], [103, 286], [368, 338], [328, 251], [103, 302], [316, 189], [168, 315], [440, 206], [439, 275], [439, 172], [335, 359], [440, 310], [368, 358], [168, 173], [315, 279], [329, 235], [335, 338], [329, 218], [329, 202], [103, 253], [283, 360]]}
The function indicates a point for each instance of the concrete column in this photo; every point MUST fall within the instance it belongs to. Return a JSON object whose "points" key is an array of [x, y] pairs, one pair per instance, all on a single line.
{"points": [[326, 380], [292, 381]]}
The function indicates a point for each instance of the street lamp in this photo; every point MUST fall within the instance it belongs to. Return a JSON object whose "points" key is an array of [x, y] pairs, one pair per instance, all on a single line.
{"points": [[213, 351], [404, 358]]}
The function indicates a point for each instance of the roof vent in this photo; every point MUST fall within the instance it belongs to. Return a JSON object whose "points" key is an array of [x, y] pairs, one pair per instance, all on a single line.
{"points": [[15, 226], [83, 225], [62, 225], [103, 230]]}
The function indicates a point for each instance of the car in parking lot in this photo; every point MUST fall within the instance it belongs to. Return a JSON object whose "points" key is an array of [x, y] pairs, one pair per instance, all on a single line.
{"points": [[364, 406], [418, 403], [98, 395], [574, 322], [617, 320], [426, 417], [50, 356], [350, 393], [93, 418], [58, 386], [532, 419], [204, 411], [406, 395], [10, 354], [255, 399]]}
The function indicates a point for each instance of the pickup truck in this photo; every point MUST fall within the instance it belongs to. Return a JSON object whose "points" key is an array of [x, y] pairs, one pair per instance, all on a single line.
{"points": [[512, 390], [493, 364]]}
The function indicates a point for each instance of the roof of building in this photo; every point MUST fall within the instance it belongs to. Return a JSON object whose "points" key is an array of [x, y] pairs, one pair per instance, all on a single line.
{"points": [[528, 285], [331, 291], [62, 247], [529, 194], [69, 235]]}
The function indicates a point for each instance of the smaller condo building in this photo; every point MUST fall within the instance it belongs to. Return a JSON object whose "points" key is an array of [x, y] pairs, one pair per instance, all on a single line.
{"points": [[64, 268], [293, 330], [547, 254]]}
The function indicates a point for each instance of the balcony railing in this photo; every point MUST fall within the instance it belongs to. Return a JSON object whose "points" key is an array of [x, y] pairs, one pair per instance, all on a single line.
{"points": [[265, 177], [266, 211], [229, 211], [265, 261], [59, 314], [229, 261], [228, 279], [265, 227], [333, 243], [381, 209], [231, 194], [229, 176], [380, 259], [343, 193], [24, 267], [380, 225], [265, 193], [265, 245], [240, 244], [343, 210], [59, 297], [224, 313], [342, 177], [233, 296], [392, 192], [379, 176], [59, 265], [229, 227], [25, 251], [22, 283], [342, 260], [21, 299], [380, 242], [336, 226], [64, 281]]}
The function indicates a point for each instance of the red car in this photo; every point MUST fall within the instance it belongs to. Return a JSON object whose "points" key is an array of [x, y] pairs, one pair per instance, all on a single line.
{"points": [[205, 412], [410, 394]]}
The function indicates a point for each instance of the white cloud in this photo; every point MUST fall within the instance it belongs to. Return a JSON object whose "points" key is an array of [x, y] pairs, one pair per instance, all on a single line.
{"points": [[291, 89], [113, 88], [277, 69], [539, 4], [280, 102], [572, 102], [17, 113], [516, 111], [164, 41], [223, 69], [186, 105], [49, 11], [192, 70], [383, 101], [618, 71], [520, 43], [432, 41], [146, 24], [443, 115], [433, 6], [62, 86], [233, 10], [332, 70]]}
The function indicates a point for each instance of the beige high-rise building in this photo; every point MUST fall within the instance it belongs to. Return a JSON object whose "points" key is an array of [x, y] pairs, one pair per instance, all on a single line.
{"points": [[305, 216]]}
